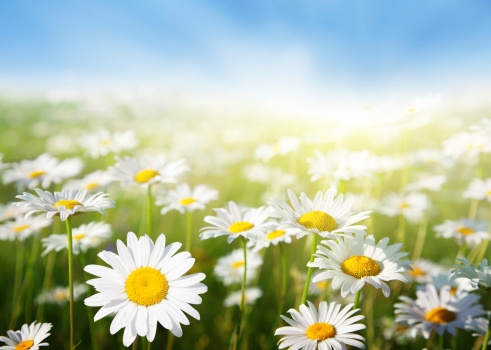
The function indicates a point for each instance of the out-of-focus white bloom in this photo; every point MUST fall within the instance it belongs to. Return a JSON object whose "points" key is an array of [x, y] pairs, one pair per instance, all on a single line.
{"points": [[250, 297], [273, 236], [479, 189], [267, 175], [91, 182], [479, 276], [60, 295], [340, 165], [431, 157], [400, 332], [10, 211], [361, 201], [427, 182], [42, 171], [21, 227], [147, 170], [457, 286], [284, 146], [468, 231], [466, 143], [29, 337], [411, 205], [480, 326], [385, 164], [102, 142], [424, 270], [183, 198], [230, 268]]}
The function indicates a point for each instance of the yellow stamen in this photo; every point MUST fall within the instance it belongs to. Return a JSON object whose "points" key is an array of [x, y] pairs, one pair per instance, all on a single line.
{"points": [[453, 290], [417, 272], [321, 285], [145, 175], [319, 220], [275, 234], [20, 228], [187, 201], [320, 331], [440, 315], [25, 345], [412, 110], [106, 142], [360, 266], [36, 174], [465, 231], [240, 226], [79, 237], [238, 264], [61, 295], [405, 205], [91, 185], [68, 204], [146, 286]]}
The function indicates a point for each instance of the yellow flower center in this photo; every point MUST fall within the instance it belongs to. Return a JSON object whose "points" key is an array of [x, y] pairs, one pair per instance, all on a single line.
{"points": [[319, 220], [417, 272], [187, 201], [405, 205], [321, 285], [360, 266], [79, 237], [440, 315], [146, 286], [34, 174], [91, 185], [20, 228], [68, 204], [106, 142], [25, 345], [145, 175], [321, 331], [61, 295], [275, 234], [240, 226], [465, 230], [453, 290], [411, 110], [238, 264]]}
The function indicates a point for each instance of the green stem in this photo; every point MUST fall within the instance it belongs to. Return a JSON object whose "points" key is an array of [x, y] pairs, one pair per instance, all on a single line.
{"points": [[421, 238], [149, 211], [453, 342], [486, 338], [19, 260], [309, 271], [30, 277], [170, 341], [89, 309], [473, 209], [189, 230], [357, 299], [242, 299], [135, 343], [70, 276], [283, 277], [402, 229], [50, 264], [440, 342]]}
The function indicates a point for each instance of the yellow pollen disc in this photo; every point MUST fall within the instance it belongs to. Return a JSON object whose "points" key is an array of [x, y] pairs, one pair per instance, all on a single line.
{"points": [[238, 264], [360, 266], [61, 295], [20, 228], [187, 201], [440, 315], [417, 272], [465, 231], [453, 290], [36, 174], [79, 237], [106, 142], [146, 286], [321, 331], [319, 220], [25, 345], [404, 205], [411, 110], [68, 204], [275, 234], [145, 175], [240, 226], [321, 285], [91, 185]]}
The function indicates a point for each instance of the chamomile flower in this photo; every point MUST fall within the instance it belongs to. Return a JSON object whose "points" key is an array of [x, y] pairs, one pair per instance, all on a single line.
{"points": [[353, 261], [60, 295], [65, 203], [480, 326], [438, 311], [145, 286], [465, 231], [236, 222], [479, 189], [21, 227], [184, 199], [431, 157], [427, 182], [147, 170], [466, 143], [103, 142], [411, 205], [457, 286], [423, 270], [284, 146], [480, 277], [273, 236], [91, 182], [250, 297], [29, 337], [340, 165], [83, 237], [325, 215], [230, 268], [324, 329], [10, 211]]}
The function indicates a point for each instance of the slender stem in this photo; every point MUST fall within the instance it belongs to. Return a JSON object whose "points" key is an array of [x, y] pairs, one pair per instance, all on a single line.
{"points": [[421, 238], [149, 211], [50, 264], [440, 342], [357, 299], [242, 299], [70, 275], [486, 338], [402, 229], [89, 309], [149, 345], [453, 342], [135, 343], [484, 246], [189, 230], [283, 277], [473, 209], [309, 271], [170, 341], [19, 260], [30, 276]]}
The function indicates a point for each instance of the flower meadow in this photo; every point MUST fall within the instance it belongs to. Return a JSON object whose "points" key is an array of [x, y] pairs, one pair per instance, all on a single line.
{"points": [[130, 224]]}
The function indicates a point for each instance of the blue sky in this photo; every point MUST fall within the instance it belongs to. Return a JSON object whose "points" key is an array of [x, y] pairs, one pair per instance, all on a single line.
{"points": [[357, 48]]}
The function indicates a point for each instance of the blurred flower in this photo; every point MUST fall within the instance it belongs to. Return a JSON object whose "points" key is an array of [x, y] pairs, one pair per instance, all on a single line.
{"points": [[400, 332], [353, 261], [480, 277], [427, 182], [465, 231], [145, 285], [11, 211], [479, 189], [457, 286], [273, 236], [21, 227], [480, 326], [385, 164], [466, 143], [250, 297], [29, 337], [340, 165], [60, 295], [326, 328], [423, 270], [183, 198], [431, 157], [102, 142], [230, 268], [284, 146], [91, 182], [438, 311], [325, 215], [411, 205], [272, 176]]}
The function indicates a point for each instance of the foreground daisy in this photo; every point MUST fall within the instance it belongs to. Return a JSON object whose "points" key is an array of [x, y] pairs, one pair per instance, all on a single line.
{"points": [[352, 262], [230, 268], [326, 329], [480, 277], [184, 199], [29, 337], [145, 284], [325, 215], [465, 231]]}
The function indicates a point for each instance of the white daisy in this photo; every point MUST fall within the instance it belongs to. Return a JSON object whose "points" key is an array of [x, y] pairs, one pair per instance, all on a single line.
{"points": [[411, 205], [457, 286], [273, 236], [385, 164], [183, 198], [466, 143], [60, 295], [325, 215], [479, 189], [10, 211], [103, 142], [230, 268], [65, 203], [353, 261], [144, 286], [235, 222], [147, 170], [480, 277], [273, 176], [22, 227], [42, 171], [250, 297], [340, 165], [427, 182], [91, 182], [465, 231], [29, 337], [431, 157], [326, 329], [83, 237], [400, 332], [284, 146], [438, 311], [423, 270], [480, 326]]}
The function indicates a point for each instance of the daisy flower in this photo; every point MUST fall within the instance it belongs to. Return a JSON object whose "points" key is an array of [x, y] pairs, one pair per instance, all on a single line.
{"points": [[183, 198], [84, 237], [324, 329], [269, 175], [65, 203], [22, 227], [10, 211], [385, 164], [423, 270], [230, 268], [325, 215], [353, 261], [103, 142], [340, 165], [42, 171], [480, 277], [465, 231], [60, 295], [91, 182], [480, 326], [438, 311], [147, 170], [411, 206], [273, 236], [431, 157], [466, 143], [479, 189], [457, 286], [145, 285], [29, 337], [250, 297], [235, 222], [428, 182], [284, 146]]}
